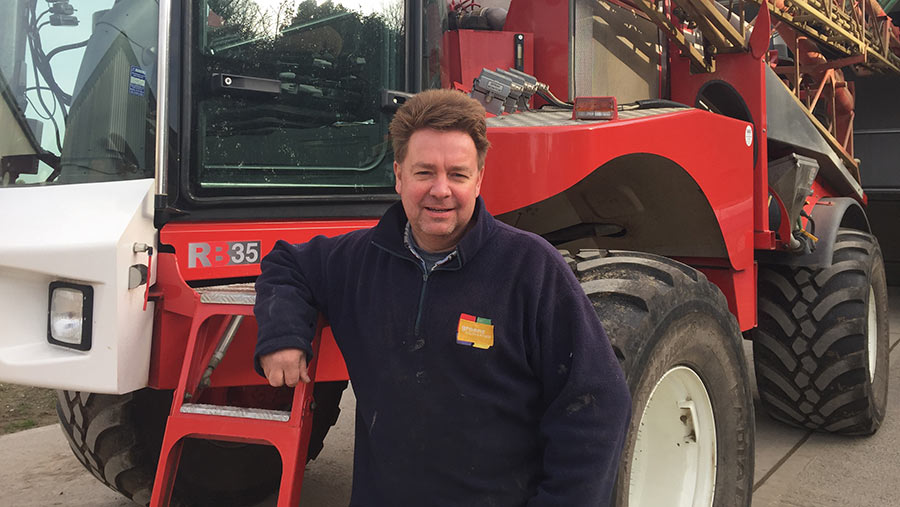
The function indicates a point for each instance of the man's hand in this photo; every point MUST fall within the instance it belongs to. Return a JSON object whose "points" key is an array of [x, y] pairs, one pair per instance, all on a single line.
{"points": [[285, 367]]}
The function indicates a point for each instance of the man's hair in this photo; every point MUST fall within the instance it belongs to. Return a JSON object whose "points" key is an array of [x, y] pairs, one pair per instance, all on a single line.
{"points": [[443, 110]]}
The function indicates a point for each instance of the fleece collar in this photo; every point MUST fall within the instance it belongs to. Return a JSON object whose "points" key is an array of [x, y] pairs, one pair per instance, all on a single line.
{"points": [[388, 234]]}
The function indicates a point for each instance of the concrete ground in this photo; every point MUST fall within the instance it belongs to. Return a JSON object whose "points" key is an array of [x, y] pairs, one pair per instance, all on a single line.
{"points": [[797, 468], [794, 468]]}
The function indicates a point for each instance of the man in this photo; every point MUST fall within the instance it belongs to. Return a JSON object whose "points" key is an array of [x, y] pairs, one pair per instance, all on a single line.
{"points": [[482, 374]]}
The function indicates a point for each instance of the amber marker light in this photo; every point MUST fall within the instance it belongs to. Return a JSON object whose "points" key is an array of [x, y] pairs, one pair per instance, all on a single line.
{"points": [[595, 108]]}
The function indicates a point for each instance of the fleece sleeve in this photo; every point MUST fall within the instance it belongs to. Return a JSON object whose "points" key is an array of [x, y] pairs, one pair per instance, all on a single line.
{"points": [[289, 296], [587, 405]]}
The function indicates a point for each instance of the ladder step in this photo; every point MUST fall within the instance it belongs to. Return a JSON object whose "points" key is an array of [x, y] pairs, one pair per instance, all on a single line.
{"points": [[233, 294], [239, 412]]}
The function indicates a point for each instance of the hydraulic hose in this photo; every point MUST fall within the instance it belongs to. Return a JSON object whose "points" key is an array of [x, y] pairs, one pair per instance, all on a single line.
{"points": [[549, 97]]}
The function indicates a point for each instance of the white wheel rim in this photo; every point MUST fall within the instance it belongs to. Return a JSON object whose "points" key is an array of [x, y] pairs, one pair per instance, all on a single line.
{"points": [[674, 462], [872, 334]]}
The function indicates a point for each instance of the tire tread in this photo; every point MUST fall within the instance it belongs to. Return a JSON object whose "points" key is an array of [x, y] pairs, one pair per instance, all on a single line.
{"points": [[638, 296], [115, 438], [809, 346]]}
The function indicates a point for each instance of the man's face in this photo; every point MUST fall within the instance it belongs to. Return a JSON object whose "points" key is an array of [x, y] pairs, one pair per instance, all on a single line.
{"points": [[438, 183]]}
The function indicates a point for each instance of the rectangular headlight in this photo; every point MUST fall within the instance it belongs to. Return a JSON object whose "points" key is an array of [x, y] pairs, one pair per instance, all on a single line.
{"points": [[71, 314]]}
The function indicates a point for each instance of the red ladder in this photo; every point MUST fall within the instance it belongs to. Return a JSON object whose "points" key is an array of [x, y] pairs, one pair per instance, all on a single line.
{"points": [[287, 431]]}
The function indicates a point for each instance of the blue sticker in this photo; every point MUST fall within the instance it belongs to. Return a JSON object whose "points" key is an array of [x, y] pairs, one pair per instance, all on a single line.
{"points": [[137, 82]]}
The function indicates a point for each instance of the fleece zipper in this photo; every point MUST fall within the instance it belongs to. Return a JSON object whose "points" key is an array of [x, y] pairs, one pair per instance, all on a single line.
{"points": [[421, 266], [421, 309], [425, 275]]}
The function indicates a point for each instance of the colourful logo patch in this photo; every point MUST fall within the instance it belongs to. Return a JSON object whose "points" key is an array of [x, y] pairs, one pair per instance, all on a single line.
{"points": [[474, 331]]}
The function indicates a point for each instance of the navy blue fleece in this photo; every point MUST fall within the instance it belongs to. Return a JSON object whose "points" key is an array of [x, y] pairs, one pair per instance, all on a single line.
{"points": [[537, 419]]}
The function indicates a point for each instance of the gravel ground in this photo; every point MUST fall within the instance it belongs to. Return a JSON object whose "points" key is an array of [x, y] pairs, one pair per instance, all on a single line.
{"points": [[24, 407]]}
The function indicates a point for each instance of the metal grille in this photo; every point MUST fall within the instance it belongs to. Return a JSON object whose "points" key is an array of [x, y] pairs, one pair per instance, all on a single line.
{"points": [[241, 412], [563, 118], [233, 294]]}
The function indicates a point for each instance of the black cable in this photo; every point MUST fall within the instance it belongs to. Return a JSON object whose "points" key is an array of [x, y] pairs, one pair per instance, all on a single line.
{"points": [[38, 89], [650, 104], [36, 111], [47, 72], [811, 223], [41, 15], [549, 97], [68, 47], [41, 61], [37, 81]]}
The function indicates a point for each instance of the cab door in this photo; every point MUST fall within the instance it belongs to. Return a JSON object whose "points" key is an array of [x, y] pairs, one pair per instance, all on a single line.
{"points": [[77, 113]]}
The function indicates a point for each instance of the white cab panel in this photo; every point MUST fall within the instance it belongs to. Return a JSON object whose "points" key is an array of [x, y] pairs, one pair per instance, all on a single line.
{"points": [[83, 234]]}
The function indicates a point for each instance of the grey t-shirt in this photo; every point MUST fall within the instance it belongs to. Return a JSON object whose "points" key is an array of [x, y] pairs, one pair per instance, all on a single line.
{"points": [[429, 259]]}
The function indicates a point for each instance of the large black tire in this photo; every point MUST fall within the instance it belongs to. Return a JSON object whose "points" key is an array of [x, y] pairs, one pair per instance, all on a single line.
{"points": [[118, 439], [660, 316], [814, 364]]}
